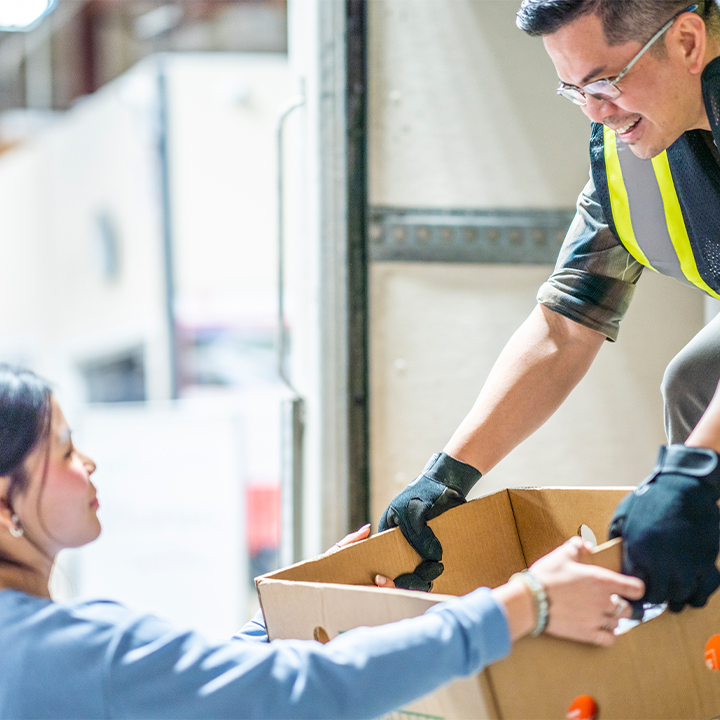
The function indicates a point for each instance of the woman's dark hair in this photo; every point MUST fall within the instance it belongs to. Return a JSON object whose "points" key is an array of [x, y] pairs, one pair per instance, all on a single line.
{"points": [[25, 414], [623, 20]]}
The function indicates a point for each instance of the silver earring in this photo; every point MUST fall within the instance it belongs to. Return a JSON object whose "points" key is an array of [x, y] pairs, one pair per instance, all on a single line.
{"points": [[16, 530]]}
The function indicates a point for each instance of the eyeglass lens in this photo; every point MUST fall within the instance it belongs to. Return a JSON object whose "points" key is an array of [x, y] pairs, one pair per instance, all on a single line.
{"points": [[600, 90]]}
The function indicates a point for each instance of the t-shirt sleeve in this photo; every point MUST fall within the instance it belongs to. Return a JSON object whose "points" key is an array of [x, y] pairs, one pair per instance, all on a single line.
{"points": [[155, 671], [595, 276]]}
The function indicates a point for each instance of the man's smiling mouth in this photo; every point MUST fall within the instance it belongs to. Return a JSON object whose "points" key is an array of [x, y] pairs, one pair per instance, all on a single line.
{"points": [[626, 128]]}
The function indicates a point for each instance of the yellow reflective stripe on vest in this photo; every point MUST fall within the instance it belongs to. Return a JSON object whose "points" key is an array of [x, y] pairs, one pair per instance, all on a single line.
{"points": [[676, 224], [619, 199]]}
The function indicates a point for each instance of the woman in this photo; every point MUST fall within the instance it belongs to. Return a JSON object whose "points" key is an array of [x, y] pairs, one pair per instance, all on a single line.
{"points": [[98, 659]]}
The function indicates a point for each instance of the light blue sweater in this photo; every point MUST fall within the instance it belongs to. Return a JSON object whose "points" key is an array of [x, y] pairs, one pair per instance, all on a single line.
{"points": [[100, 660]]}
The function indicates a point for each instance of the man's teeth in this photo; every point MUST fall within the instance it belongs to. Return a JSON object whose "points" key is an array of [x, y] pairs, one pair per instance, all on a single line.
{"points": [[627, 127]]}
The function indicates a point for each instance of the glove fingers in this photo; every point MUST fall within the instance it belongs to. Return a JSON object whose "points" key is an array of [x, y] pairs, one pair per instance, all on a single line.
{"points": [[414, 527], [706, 586], [638, 609], [421, 578], [419, 535], [429, 570], [388, 520], [618, 519]]}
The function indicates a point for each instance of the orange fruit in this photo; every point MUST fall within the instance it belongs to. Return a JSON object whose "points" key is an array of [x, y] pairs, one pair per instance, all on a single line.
{"points": [[583, 707], [712, 653]]}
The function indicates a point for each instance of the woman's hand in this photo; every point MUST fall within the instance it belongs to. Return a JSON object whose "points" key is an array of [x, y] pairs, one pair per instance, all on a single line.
{"points": [[361, 534], [586, 601]]}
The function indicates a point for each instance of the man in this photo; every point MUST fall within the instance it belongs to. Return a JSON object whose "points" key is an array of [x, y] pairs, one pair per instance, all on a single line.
{"points": [[647, 73]]}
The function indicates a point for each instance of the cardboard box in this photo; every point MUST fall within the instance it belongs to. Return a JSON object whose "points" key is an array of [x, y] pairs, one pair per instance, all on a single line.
{"points": [[655, 670]]}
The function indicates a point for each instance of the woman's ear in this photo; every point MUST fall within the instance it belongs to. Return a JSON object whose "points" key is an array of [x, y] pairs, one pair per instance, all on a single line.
{"points": [[6, 511]]}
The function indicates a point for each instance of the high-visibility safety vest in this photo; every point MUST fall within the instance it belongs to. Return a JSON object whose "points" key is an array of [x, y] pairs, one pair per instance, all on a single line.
{"points": [[666, 211]]}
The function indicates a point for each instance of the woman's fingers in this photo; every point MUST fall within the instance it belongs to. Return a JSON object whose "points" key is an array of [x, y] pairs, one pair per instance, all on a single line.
{"points": [[578, 547], [625, 586], [605, 638], [351, 538], [382, 581], [620, 607], [354, 537]]}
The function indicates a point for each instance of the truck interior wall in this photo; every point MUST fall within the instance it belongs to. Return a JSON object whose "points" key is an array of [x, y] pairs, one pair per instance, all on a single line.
{"points": [[463, 114]]}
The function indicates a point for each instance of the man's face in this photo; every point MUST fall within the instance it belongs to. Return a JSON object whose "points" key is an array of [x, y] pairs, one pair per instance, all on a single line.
{"points": [[660, 97]]}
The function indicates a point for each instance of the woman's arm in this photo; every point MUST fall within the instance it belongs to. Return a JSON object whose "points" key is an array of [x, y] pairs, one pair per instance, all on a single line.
{"points": [[154, 671]]}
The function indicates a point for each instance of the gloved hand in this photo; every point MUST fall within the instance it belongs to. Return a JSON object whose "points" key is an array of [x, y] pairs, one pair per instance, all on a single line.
{"points": [[443, 484], [670, 526]]}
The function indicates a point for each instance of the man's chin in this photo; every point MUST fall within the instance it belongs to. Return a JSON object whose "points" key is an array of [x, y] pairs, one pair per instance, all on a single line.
{"points": [[643, 151]]}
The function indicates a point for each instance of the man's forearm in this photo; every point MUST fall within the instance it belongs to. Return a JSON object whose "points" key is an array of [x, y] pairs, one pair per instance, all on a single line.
{"points": [[543, 361]]}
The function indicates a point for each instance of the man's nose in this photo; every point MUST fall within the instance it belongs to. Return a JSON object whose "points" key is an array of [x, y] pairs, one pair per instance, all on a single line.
{"points": [[598, 110]]}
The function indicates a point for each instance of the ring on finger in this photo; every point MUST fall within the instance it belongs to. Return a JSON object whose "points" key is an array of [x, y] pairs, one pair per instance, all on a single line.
{"points": [[621, 604]]}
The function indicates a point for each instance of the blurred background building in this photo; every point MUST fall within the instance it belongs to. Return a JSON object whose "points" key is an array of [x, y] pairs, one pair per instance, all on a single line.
{"points": [[268, 255], [139, 205]]}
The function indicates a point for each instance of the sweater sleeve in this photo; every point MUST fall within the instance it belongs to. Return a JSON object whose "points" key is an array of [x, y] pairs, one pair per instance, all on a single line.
{"points": [[154, 671], [254, 630]]}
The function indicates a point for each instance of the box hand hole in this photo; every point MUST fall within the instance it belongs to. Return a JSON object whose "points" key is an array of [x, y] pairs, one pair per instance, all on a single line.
{"points": [[320, 634], [587, 535]]}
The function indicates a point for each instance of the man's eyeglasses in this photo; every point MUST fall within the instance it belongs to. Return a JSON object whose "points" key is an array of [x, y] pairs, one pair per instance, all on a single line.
{"points": [[607, 89]]}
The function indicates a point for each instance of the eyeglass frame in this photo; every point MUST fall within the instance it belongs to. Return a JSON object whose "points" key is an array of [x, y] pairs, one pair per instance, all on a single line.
{"points": [[568, 91]]}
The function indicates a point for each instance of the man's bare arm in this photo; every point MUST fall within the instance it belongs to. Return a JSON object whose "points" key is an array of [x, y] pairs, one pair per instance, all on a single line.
{"points": [[543, 361]]}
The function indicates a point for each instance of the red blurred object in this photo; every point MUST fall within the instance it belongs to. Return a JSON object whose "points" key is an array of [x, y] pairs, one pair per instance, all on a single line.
{"points": [[263, 518]]}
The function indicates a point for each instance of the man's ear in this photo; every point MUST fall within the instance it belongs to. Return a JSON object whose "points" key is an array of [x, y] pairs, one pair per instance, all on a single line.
{"points": [[689, 37]]}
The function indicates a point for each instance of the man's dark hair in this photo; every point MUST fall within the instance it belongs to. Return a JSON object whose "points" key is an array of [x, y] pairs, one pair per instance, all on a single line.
{"points": [[622, 20]]}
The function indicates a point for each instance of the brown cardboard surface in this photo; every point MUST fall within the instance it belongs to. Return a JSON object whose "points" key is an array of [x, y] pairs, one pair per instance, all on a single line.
{"points": [[655, 671], [607, 555], [322, 611], [547, 517], [390, 552], [480, 547], [335, 608]]}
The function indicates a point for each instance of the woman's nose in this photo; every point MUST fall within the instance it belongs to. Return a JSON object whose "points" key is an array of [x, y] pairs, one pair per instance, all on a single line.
{"points": [[89, 463]]}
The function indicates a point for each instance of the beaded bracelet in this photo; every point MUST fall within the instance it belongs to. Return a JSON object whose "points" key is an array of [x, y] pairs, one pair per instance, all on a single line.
{"points": [[540, 599]]}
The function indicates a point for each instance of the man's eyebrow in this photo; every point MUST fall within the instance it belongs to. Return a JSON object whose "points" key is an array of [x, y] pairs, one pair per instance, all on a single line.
{"points": [[593, 73]]}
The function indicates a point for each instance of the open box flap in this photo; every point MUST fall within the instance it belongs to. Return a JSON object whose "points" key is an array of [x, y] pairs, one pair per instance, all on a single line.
{"points": [[547, 517], [484, 541], [480, 548]]}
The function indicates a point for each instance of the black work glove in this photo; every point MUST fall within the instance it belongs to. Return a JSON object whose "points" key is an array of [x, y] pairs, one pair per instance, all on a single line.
{"points": [[670, 526], [443, 484]]}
